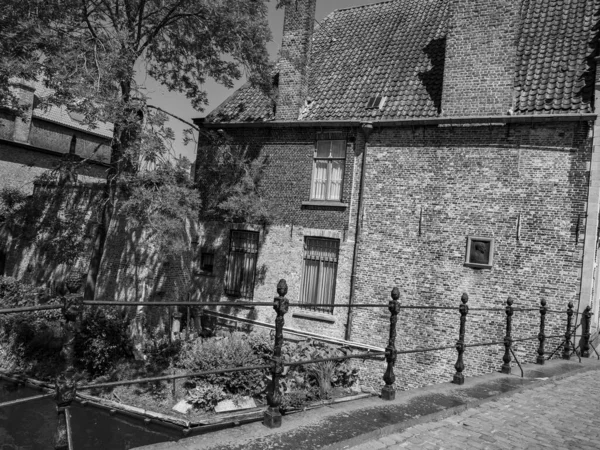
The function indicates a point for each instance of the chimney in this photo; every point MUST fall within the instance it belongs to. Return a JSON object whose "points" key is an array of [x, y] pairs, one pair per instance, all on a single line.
{"points": [[23, 90], [479, 70], [298, 28]]}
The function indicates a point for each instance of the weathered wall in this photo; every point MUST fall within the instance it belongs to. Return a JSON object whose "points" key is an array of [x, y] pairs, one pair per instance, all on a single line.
{"points": [[480, 57], [286, 187], [470, 181], [19, 166], [281, 255], [58, 138], [299, 22]]}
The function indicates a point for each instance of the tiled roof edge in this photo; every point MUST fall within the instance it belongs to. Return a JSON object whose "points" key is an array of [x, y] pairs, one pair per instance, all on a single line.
{"points": [[522, 118], [49, 152], [72, 127], [363, 6]]}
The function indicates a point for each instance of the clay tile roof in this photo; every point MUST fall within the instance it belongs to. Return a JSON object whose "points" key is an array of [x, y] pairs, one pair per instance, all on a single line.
{"points": [[396, 49], [554, 40]]}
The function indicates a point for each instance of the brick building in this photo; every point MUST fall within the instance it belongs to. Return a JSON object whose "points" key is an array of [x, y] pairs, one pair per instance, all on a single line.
{"points": [[39, 141], [441, 146]]}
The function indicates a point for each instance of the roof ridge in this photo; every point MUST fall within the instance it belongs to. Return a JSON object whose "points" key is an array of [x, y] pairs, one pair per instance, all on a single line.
{"points": [[362, 6]]}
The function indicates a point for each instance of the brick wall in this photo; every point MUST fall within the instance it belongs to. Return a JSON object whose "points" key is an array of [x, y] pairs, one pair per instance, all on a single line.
{"points": [[19, 166], [281, 255], [470, 181], [58, 138], [7, 125], [285, 185], [480, 57], [286, 182], [295, 50]]}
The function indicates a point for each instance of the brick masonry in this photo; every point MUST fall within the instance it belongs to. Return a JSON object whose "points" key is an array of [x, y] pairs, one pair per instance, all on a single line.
{"points": [[285, 186], [470, 181], [480, 58], [294, 59]]}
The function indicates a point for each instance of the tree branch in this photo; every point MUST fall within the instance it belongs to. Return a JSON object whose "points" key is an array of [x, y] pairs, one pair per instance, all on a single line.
{"points": [[174, 116], [86, 16], [139, 24], [160, 26]]}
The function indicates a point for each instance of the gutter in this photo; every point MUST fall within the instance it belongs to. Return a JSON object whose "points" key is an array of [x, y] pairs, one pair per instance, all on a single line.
{"points": [[48, 152], [425, 121], [367, 128]]}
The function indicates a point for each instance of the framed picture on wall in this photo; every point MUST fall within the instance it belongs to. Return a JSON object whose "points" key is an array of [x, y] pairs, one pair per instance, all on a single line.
{"points": [[480, 252]]}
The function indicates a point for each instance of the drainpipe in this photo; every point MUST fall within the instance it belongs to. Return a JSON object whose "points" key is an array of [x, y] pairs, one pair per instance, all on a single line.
{"points": [[587, 296], [367, 128]]}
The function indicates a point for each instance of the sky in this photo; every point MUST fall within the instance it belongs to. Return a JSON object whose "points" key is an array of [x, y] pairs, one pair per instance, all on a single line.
{"points": [[179, 105]]}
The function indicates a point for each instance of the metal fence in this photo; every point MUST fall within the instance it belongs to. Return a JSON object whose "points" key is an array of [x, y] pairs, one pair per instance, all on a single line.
{"points": [[66, 387]]}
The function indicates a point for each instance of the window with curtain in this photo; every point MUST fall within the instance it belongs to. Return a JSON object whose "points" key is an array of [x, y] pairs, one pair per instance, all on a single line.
{"points": [[328, 170], [241, 263], [320, 273]]}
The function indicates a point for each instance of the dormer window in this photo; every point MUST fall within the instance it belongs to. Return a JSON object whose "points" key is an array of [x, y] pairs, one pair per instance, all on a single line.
{"points": [[328, 170], [376, 102]]}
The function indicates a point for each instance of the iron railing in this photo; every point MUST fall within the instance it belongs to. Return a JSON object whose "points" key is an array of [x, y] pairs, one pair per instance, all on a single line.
{"points": [[66, 386]]}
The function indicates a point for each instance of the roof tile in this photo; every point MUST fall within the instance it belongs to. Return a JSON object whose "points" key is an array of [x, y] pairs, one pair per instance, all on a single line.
{"points": [[397, 49]]}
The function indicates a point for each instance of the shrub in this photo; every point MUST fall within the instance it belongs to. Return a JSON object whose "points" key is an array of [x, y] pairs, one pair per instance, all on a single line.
{"points": [[30, 341], [326, 374], [102, 340], [233, 350], [205, 396]]}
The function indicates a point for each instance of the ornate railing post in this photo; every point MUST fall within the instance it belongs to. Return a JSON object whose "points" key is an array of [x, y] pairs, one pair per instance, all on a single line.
{"points": [[65, 394], [459, 378], [542, 336], [586, 318], [388, 392], [508, 338], [66, 386], [272, 416], [567, 346]]}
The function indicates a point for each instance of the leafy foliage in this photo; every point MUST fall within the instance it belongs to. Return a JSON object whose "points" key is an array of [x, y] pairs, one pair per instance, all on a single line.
{"points": [[234, 350], [323, 375], [160, 201], [87, 53], [205, 396], [52, 217], [102, 340], [30, 341], [229, 177]]}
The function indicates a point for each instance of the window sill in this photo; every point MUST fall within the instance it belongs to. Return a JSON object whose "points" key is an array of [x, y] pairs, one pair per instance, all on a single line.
{"points": [[204, 274], [314, 316], [325, 203], [478, 266]]}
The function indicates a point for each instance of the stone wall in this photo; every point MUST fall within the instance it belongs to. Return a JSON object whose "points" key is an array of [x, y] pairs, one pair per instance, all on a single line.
{"points": [[427, 190]]}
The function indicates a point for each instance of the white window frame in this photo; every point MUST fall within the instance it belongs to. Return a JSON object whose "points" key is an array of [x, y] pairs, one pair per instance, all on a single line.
{"points": [[329, 160]]}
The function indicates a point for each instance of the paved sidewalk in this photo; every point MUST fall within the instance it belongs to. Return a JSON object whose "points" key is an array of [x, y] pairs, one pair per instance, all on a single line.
{"points": [[539, 406], [559, 415]]}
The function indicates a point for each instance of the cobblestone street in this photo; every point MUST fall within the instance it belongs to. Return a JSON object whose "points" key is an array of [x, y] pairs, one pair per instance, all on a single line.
{"points": [[560, 415]]}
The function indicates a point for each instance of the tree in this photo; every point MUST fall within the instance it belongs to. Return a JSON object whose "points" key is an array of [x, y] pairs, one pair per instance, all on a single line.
{"points": [[87, 52]]}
